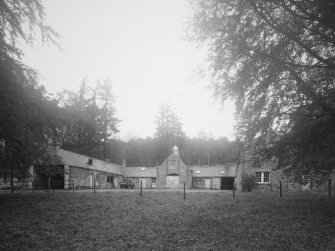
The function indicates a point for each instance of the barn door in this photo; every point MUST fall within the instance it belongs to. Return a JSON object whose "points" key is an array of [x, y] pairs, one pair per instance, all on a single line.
{"points": [[172, 181], [216, 183]]}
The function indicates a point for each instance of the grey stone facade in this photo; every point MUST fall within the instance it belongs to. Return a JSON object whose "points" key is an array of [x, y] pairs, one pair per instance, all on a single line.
{"points": [[173, 172]]}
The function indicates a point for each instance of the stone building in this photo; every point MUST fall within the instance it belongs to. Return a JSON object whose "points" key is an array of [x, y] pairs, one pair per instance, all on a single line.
{"points": [[146, 175], [77, 169], [266, 178], [173, 173]]}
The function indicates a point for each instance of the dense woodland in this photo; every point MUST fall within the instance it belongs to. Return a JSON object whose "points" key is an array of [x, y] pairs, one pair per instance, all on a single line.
{"points": [[193, 151]]}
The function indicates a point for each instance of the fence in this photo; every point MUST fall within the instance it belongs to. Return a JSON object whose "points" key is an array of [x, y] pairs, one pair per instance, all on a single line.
{"points": [[52, 185]]}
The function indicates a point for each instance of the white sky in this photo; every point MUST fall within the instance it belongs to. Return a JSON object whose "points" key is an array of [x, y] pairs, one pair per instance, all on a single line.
{"points": [[139, 46]]}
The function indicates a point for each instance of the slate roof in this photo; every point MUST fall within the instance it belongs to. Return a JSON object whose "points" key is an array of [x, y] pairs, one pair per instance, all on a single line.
{"points": [[79, 160], [224, 170], [139, 172]]}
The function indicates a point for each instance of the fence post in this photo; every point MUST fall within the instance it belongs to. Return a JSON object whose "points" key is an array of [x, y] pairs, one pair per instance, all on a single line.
{"points": [[53, 186], [329, 188], [94, 184], [49, 180], [73, 185], [141, 188], [12, 180], [234, 191], [184, 190], [280, 189]]}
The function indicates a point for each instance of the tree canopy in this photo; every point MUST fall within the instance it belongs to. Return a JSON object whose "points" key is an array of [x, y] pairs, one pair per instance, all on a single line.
{"points": [[168, 131], [276, 60], [193, 151], [26, 124], [88, 119]]}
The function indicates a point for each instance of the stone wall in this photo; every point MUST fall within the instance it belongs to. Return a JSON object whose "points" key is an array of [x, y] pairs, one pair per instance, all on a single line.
{"points": [[161, 175], [174, 166], [276, 176], [82, 178]]}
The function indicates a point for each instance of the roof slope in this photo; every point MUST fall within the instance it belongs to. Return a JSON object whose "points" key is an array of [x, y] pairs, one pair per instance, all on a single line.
{"points": [[224, 170], [139, 171], [79, 160]]}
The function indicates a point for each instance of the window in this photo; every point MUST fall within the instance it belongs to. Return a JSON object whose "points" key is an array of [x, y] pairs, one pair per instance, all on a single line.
{"points": [[263, 177], [197, 180], [258, 177], [153, 180]]}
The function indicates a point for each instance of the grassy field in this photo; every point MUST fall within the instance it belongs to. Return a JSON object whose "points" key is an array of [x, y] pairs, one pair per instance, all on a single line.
{"points": [[165, 221]]}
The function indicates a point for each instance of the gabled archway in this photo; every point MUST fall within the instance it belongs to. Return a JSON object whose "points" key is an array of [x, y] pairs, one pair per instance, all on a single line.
{"points": [[172, 181]]}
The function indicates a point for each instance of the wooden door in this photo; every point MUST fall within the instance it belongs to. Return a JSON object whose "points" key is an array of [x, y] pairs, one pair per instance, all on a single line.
{"points": [[144, 182], [216, 183], [207, 183]]}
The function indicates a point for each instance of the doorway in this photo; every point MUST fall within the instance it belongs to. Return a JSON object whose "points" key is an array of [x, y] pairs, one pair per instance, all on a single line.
{"points": [[227, 183], [172, 181], [144, 182], [207, 183]]}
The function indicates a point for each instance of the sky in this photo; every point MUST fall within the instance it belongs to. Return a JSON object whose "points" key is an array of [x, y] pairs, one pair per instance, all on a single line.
{"points": [[141, 47]]}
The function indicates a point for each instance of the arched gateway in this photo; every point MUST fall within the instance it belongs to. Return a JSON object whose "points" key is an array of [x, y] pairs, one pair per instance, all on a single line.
{"points": [[172, 181]]}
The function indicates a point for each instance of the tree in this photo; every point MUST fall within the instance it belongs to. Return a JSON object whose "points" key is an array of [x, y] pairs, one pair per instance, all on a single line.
{"points": [[168, 123], [276, 60], [79, 127], [168, 131], [88, 119], [26, 115], [108, 118]]}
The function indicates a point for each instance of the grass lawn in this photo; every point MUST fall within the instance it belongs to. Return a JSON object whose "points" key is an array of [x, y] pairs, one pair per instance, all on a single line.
{"points": [[163, 220]]}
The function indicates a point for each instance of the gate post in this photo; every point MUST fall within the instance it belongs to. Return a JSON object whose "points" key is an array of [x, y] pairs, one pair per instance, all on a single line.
{"points": [[94, 184], [141, 188]]}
